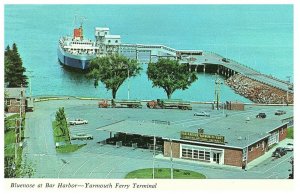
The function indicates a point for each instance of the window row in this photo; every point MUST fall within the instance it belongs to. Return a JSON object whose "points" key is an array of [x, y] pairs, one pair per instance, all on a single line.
{"points": [[196, 154]]}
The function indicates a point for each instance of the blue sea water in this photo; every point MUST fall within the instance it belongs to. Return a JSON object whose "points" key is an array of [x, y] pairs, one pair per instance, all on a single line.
{"points": [[260, 36]]}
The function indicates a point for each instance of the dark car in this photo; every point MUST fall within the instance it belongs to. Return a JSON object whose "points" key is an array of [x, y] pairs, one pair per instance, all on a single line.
{"points": [[279, 152], [225, 60], [280, 112], [261, 115]]}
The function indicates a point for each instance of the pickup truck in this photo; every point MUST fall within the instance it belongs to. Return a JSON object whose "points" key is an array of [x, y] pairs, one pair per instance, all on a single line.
{"points": [[78, 122]]}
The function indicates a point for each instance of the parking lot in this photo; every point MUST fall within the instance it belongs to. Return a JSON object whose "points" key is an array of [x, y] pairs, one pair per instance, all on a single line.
{"points": [[108, 161]]}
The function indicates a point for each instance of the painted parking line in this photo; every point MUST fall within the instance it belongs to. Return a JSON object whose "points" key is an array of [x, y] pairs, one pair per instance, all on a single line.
{"points": [[276, 165]]}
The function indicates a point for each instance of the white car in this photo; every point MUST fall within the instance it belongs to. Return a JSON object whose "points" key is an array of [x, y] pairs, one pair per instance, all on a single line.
{"points": [[289, 147], [82, 136], [202, 113], [78, 122]]}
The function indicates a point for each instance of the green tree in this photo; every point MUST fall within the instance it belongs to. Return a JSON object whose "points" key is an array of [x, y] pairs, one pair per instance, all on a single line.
{"points": [[14, 70], [62, 123], [170, 75], [112, 71]]}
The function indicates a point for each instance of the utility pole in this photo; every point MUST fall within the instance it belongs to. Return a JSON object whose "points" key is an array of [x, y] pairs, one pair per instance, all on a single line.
{"points": [[154, 142], [218, 83], [128, 87], [171, 158], [20, 118], [30, 76]]}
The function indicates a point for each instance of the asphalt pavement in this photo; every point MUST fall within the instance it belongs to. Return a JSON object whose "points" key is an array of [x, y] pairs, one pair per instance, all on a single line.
{"points": [[108, 161]]}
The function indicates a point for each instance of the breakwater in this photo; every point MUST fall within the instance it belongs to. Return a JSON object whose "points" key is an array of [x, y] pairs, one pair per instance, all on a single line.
{"points": [[258, 92]]}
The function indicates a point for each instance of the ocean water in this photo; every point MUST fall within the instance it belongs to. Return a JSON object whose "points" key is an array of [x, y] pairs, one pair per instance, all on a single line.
{"points": [[260, 36]]}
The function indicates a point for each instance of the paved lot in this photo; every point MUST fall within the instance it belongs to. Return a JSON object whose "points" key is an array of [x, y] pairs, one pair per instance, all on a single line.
{"points": [[96, 161]]}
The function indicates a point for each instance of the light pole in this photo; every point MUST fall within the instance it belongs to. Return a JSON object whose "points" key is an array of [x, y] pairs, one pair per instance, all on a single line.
{"points": [[154, 142], [217, 90], [171, 158], [128, 86], [30, 76]]}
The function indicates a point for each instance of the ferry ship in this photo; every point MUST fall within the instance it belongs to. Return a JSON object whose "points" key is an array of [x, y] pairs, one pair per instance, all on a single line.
{"points": [[77, 52]]}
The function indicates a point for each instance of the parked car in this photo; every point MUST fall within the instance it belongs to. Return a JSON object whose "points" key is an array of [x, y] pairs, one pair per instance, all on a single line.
{"points": [[78, 122], [226, 60], [202, 113], [261, 115], [289, 147], [82, 136], [280, 112], [280, 151]]}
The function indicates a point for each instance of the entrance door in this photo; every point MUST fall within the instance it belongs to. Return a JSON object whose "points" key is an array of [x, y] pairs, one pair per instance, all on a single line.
{"points": [[216, 157]]}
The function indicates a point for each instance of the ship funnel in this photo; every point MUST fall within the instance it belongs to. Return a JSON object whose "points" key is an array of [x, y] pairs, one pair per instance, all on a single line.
{"points": [[78, 33]]}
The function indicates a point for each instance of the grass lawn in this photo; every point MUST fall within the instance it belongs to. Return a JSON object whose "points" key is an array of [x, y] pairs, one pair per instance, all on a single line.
{"points": [[9, 139], [69, 148], [10, 136], [164, 173], [10, 144], [59, 137], [290, 133]]}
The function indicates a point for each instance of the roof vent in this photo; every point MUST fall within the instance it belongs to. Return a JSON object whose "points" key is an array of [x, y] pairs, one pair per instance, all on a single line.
{"points": [[248, 119], [239, 138]]}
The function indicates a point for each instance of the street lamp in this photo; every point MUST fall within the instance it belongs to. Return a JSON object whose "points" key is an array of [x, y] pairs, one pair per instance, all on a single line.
{"points": [[218, 83], [154, 142], [30, 76], [171, 158], [128, 86]]}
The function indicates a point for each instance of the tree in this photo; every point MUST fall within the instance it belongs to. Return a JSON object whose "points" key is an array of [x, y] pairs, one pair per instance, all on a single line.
{"points": [[61, 122], [170, 75], [112, 71], [14, 70]]}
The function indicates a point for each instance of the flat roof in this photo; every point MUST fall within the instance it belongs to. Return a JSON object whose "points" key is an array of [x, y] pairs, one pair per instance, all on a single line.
{"points": [[239, 132], [112, 36], [102, 28]]}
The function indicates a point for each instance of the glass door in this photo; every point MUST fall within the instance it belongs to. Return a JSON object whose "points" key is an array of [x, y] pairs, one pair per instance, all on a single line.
{"points": [[216, 157]]}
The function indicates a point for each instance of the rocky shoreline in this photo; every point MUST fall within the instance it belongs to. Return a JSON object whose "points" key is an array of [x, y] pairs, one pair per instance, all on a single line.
{"points": [[258, 92]]}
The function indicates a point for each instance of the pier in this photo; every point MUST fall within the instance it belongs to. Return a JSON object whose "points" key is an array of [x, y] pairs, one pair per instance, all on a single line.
{"points": [[202, 61]]}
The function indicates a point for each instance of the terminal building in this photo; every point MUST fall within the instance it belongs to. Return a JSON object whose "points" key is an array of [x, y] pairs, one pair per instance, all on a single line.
{"points": [[232, 140]]}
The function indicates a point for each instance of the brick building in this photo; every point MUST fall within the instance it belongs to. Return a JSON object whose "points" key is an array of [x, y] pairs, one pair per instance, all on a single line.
{"points": [[14, 98], [238, 149], [235, 140]]}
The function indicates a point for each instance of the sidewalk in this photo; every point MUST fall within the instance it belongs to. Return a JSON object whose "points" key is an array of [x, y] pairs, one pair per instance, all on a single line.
{"points": [[204, 164], [250, 165], [268, 154]]}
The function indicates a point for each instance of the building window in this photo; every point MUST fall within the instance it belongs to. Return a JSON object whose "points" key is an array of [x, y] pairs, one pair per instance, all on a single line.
{"points": [[281, 131], [116, 41], [7, 102], [196, 153], [251, 149], [257, 145], [108, 41]]}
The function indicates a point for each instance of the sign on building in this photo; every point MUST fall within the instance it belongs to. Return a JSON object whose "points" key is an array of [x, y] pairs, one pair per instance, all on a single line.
{"points": [[202, 137]]}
